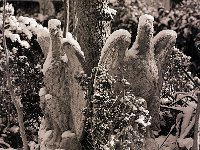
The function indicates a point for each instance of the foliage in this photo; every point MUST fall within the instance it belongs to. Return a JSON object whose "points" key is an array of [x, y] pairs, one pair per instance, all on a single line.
{"points": [[178, 103], [175, 77], [41, 11], [178, 120], [114, 121], [184, 19], [25, 59]]}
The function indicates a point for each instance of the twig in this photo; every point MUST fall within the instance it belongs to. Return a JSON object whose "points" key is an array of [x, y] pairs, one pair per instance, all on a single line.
{"points": [[10, 87], [196, 127], [168, 134], [189, 76], [66, 18], [173, 108], [67, 27], [183, 101]]}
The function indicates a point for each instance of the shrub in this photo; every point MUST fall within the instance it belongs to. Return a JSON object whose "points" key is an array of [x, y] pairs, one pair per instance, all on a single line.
{"points": [[114, 121], [25, 57]]}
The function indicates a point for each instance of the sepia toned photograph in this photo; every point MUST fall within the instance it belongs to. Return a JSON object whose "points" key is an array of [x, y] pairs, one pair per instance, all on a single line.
{"points": [[99, 74]]}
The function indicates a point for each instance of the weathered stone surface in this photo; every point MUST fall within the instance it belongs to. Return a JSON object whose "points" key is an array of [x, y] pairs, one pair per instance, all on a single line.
{"points": [[163, 44], [75, 94], [63, 99], [70, 141], [44, 41], [113, 51], [141, 65]]}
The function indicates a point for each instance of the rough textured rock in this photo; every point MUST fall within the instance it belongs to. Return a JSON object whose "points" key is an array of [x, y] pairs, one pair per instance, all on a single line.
{"points": [[75, 94], [69, 141], [142, 64], [62, 98], [163, 43], [44, 41]]}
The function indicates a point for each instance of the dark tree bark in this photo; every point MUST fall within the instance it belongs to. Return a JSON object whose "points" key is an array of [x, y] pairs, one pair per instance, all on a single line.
{"points": [[92, 27]]}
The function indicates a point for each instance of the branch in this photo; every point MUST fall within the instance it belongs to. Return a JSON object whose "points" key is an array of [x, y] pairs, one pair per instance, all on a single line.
{"points": [[191, 79], [10, 87], [196, 127], [66, 17], [169, 134], [173, 108]]}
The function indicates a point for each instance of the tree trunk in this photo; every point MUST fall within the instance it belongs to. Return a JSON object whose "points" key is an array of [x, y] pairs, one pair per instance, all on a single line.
{"points": [[92, 27]]}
